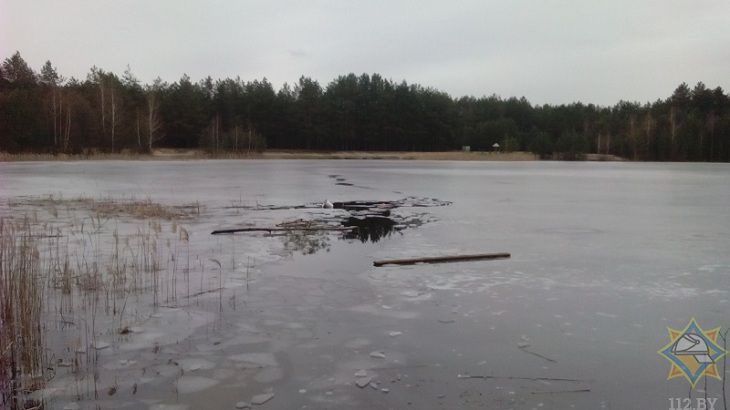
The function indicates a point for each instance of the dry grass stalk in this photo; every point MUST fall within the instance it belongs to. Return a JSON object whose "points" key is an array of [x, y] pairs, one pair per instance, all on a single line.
{"points": [[106, 208], [100, 276], [21, 306]]}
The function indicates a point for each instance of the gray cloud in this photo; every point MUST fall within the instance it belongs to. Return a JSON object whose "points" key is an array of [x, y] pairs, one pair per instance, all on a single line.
{"points": [[548, 51]]}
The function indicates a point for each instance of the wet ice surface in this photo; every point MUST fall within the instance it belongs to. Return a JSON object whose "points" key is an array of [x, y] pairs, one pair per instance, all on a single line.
{"points": [[604, 258]]}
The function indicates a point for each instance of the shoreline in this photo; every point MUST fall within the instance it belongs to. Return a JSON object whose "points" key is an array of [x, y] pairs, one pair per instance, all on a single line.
{"points": [[183, 154]]}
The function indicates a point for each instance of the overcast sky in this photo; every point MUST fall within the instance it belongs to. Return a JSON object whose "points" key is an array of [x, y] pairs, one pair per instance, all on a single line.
{"points": [[548, 51]]}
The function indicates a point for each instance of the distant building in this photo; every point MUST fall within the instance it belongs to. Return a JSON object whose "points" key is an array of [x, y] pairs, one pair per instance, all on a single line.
{"points": [[495, 147], [466, 148]]}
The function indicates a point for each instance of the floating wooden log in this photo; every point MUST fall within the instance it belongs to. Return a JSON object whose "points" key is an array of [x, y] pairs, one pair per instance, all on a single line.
{"points": [[288, 229], [363, 205], [442, 259]]}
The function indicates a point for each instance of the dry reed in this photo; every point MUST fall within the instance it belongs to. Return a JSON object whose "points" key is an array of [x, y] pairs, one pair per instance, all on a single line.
{"points": [[21, 307]]}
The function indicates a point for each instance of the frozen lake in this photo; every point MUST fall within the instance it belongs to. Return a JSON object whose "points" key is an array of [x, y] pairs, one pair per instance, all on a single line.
{"points": [[605, 257]]}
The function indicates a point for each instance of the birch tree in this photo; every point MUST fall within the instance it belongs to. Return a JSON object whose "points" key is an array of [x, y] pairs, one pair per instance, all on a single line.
{"points": [[113, 114], [154, 123]]}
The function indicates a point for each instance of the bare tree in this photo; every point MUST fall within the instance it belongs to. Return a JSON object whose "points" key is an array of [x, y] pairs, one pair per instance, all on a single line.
{"points": [[649, 127], [131, 84], [217, 131], [248, 140], [49, 76], [114, 114], [672, 128], [103, 110], [60, 115], [248, 151], [711, 124], [67, 134], [139, 134], [235, 138], [55, 114], [633, 135], [154, 124]]}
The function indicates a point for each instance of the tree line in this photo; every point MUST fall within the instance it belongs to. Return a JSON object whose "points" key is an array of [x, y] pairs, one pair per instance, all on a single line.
{"points": [[46, 112]]}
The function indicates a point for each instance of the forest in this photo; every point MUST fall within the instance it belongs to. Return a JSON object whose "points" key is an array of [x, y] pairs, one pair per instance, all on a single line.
{"points": [[45, 112]]}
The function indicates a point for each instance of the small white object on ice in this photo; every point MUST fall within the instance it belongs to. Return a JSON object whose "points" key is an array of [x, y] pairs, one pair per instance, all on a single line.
{"points": [[302, 391], [261, 398], [327, 204], [101, 345], [361, 373], [395, 333], [242, 405], [377, 355], [385, 390], [525, 342], [362, 382]]}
